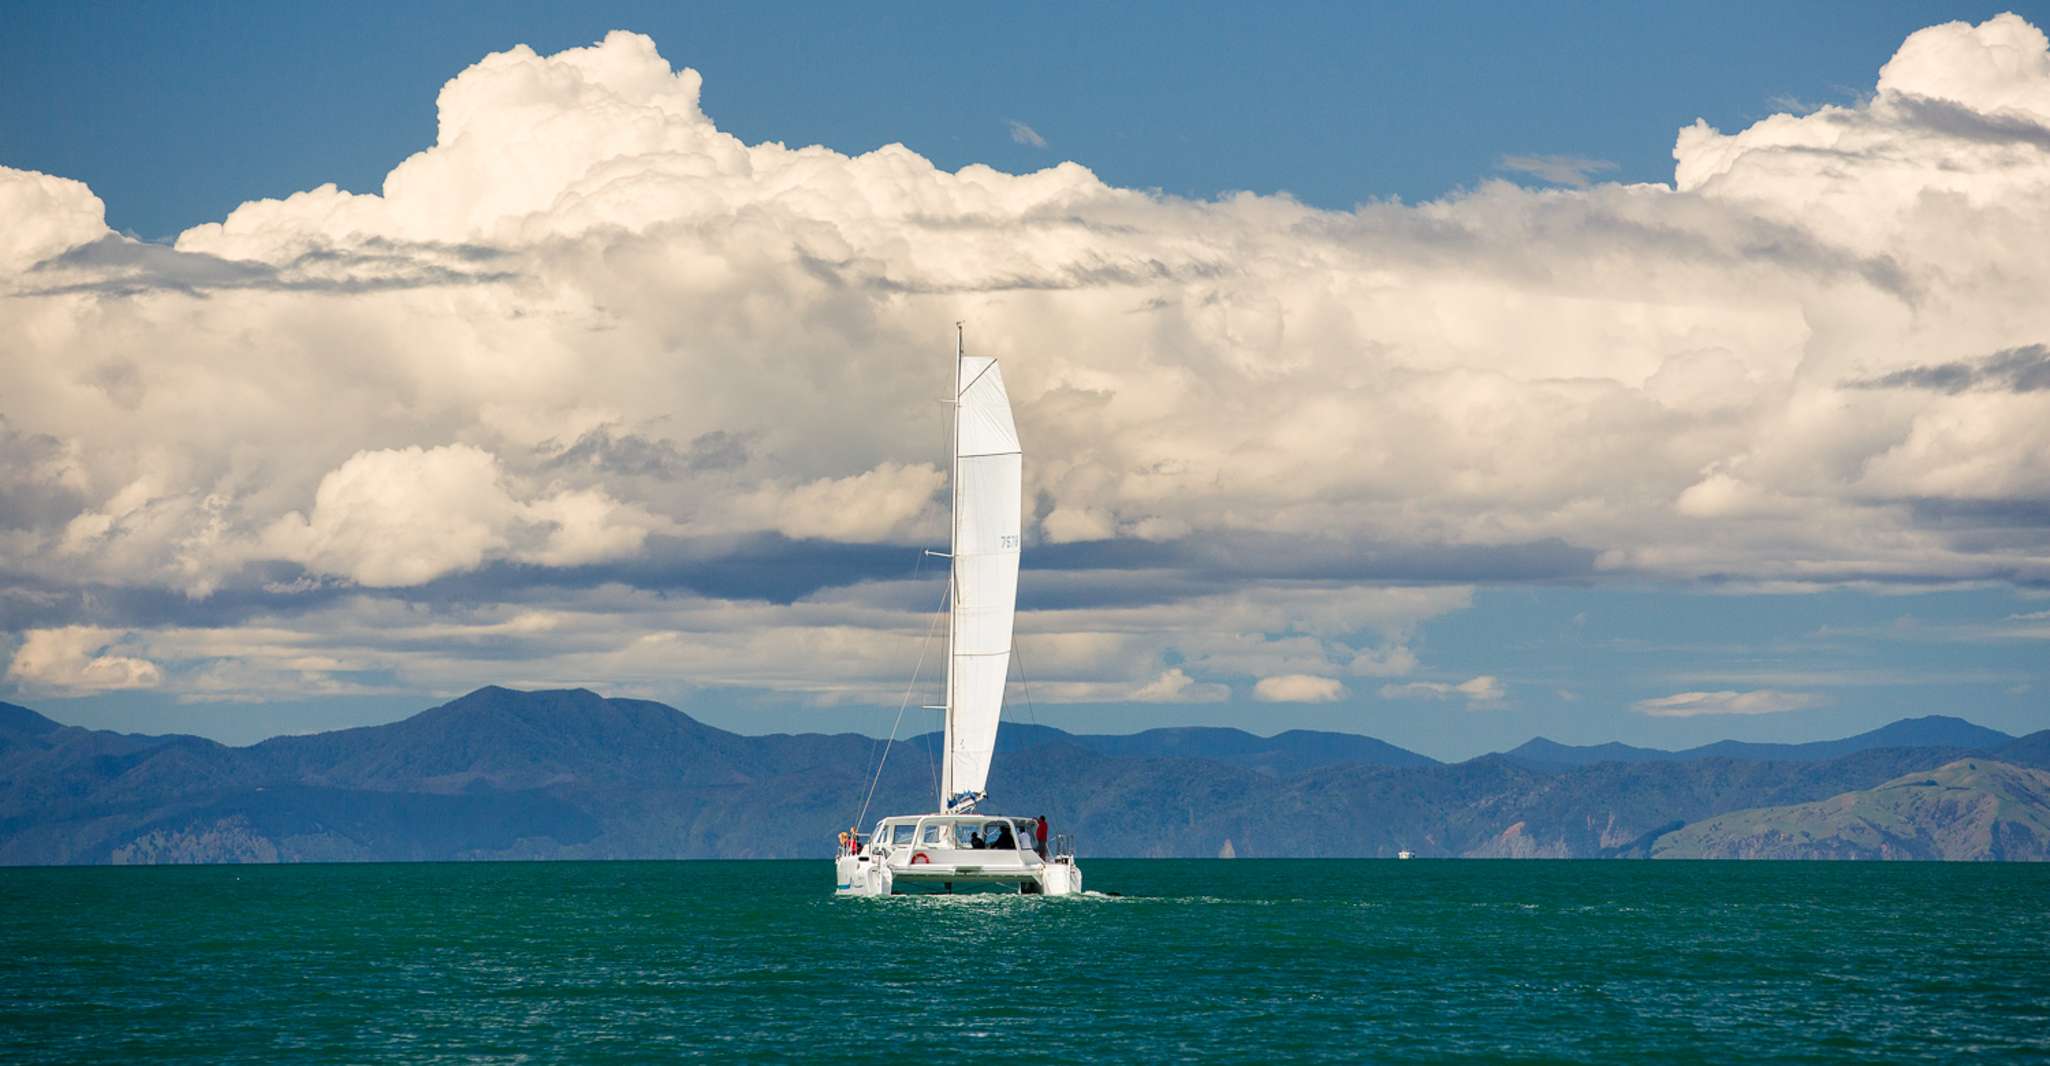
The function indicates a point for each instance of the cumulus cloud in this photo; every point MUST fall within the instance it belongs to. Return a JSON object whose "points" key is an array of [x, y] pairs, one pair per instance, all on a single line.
{"points": [[1299, 688], [877, 504], [1756, 701], [79, 660], [407, 516], [1483, 691], [401, 516], [587, 325], [1383, 662], [1176, 686], [46, 216]]}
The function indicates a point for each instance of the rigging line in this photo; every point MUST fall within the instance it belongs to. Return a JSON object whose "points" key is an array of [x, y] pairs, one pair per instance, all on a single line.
{"points": [[1024, 682], [932, 772], [917, 566], [880, 763]]}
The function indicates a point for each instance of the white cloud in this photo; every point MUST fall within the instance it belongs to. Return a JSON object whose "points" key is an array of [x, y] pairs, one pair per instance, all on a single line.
{"points": [[1478, 692], [1757, 701], [1176, 686], [406, 516], [1384, 662], [1481, 690], [45, 215], [1025, 135], [402, 516], [1066, 524], [1299, 688], [890, 500], [586, 526], [1998, 66], [1721, 496], [79, 660]]}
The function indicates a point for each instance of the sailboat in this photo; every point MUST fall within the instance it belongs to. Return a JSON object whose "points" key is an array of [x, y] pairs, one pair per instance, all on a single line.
{"points": [[958, 844]]}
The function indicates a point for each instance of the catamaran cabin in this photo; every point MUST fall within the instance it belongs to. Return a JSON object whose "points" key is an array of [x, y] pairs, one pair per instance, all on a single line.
{"points": [[937, 833]]}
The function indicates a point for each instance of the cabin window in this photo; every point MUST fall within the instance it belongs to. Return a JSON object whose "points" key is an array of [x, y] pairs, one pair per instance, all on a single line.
{"points": [[901, 834], [934, 835]]}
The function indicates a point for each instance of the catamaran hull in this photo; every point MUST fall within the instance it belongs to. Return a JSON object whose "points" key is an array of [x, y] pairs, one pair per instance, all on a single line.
{"points": [[864, 876]]}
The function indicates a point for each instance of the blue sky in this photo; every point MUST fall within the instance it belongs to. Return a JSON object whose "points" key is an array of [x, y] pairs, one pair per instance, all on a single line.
{"points": [[1470, 463]]}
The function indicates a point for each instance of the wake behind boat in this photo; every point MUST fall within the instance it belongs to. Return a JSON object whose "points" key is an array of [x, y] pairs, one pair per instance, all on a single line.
{"points": [[956, 845]]}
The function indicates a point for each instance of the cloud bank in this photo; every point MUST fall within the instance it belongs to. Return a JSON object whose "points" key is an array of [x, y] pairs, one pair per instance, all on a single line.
{"points": [[588, 341], [1757, 701], [1478, 692], [76, 659]]}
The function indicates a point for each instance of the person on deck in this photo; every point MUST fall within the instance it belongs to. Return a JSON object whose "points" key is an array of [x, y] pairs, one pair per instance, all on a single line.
{"points": [[1039, 837], [1004, 841], [975, 842]]}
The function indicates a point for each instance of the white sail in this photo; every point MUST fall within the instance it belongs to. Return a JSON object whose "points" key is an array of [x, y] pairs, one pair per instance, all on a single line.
{"points": [[988, 489]]}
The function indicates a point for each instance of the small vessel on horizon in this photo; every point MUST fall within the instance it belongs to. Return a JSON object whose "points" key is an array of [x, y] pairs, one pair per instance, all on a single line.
{"points": [[956, 845]]}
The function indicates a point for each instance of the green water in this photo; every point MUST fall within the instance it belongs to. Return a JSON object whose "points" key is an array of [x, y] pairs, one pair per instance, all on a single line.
{"points": [[1258, 961]]}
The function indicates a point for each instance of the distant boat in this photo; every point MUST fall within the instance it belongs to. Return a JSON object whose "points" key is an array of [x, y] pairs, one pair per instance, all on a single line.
{"points": [[958, 845], [1405, 854]]}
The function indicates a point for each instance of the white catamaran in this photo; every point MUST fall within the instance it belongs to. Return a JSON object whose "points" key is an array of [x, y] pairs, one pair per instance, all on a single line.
{"points": [[957, 845]]}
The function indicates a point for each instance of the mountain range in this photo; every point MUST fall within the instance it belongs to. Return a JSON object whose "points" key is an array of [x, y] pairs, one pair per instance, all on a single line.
{"points": [[1933, 731], [502, 774]]}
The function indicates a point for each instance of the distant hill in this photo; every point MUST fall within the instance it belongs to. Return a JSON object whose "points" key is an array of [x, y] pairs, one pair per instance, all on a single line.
{"points": [[20, 720], [1544, 753], [1971, 809], [502, 774], [1931, 731], [2032, 750]]}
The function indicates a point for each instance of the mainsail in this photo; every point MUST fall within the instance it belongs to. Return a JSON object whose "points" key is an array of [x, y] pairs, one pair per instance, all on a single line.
{"points": [[988, 486]]}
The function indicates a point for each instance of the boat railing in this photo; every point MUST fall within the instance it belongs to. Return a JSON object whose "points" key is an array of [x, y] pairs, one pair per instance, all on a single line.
{"points": [[1063, 845]]}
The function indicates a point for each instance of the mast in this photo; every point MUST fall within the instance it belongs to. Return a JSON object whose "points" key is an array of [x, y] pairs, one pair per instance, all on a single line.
{"points": [[953, 573]]}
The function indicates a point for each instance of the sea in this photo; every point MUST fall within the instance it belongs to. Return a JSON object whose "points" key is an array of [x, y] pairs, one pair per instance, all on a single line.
{"points": [[1164, 960]]}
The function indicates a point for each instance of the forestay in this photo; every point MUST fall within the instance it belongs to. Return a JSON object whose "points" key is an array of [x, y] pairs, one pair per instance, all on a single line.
{"points": [[988, 486]]}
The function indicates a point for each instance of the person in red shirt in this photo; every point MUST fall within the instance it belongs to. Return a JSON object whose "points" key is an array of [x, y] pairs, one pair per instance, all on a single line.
{"points": [[1039, 836]]}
